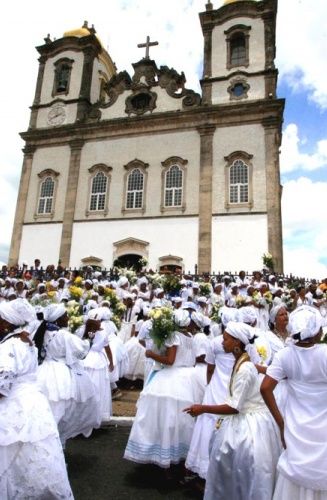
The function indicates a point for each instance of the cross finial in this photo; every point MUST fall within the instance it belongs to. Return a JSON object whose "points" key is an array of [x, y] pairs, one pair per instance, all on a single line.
{"points": [[147, 46]]}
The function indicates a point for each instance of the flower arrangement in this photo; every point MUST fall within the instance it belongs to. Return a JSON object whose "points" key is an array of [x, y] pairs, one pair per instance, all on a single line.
{"points": [[78, 281], [75, 317], [262, 351], [155, 279], [205, 289], [267, 260], [240, 301], [215, 313], [117, 307], [163, 325], [75, 292], [171, 284], [128, 273], [287, 300], [117, 321], [268, 297], [143, 262], [52, 295]]}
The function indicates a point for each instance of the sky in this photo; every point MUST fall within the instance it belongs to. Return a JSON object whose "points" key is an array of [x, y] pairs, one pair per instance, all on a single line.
{"points": [[121, 24]]}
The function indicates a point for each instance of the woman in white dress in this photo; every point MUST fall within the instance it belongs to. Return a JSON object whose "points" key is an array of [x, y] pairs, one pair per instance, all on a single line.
{"points": [[246, 445], [302, 465], [98, 363], [61, 375], [161, 432], [32, 463]]}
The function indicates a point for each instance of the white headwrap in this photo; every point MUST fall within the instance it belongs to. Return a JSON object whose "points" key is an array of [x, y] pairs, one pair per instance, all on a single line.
{"points": [[17, 312], [53, 312], [101, 314], [305, 321], [122, 281], [228, 314], [275, 310], [198, 319], [240, 331], [158, 291], [248, 315], [182, 318]]}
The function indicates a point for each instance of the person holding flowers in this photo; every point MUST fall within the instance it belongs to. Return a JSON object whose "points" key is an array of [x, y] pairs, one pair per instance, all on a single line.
{"points": [[161, 432]]}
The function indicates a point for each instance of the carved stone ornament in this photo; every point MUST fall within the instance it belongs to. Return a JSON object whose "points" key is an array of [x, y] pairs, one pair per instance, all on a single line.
{"points": [[141, 101], [115, 87], [238, 89], [174, 84]]}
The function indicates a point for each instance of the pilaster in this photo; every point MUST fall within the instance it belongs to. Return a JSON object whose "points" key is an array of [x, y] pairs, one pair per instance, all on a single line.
{"points": [[21, 205], [205, 198], [70, 202], [37, 97], [272, 126], [85, 92]]}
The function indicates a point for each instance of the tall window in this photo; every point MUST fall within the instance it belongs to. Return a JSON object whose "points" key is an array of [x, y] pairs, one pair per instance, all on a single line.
{"points": [[174, 187], [134, 193], [238, 50], [63, 69], [45, 204], [98, 192], [239, 182]]}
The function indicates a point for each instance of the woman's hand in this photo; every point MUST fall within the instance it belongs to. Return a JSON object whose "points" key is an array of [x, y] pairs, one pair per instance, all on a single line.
{"points": [[194, 410], [148, 353], [282, 437]]}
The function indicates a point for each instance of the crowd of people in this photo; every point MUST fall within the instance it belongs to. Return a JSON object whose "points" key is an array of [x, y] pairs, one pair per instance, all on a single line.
{"points": [[234, 371]]}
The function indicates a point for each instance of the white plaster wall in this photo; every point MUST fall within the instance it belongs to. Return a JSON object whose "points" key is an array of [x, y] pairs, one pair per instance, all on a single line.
{"points": [[256, 46], [175, 236], [55, 158], [75, 78], [153, 150], [40, 241], [238, 242], [250, 139], [220, 95]]}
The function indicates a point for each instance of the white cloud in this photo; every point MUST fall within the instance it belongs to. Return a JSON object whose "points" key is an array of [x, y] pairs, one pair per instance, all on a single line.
{"points": [[304, 227], [293, 159], [302, 46]]}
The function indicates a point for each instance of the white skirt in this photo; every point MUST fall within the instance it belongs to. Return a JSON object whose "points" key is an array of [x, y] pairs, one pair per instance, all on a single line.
{"points": [[162, 432], [286, 490], [136, 356], [96, 366]]}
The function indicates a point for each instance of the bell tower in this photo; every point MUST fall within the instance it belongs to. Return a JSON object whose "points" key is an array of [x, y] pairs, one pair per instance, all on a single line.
{"points": [[239, 51]]}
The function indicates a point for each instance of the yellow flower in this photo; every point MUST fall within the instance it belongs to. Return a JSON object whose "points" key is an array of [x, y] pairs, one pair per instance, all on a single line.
{"points": [[262, 351]]}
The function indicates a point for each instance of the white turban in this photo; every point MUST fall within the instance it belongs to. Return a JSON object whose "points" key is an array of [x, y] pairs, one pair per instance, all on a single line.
{"points": [[142, 281], [275, 310], [182, 318], [203, 300], [305, 321], [240, 331], [53, 312], [158, 291], [228, 314], [198, 319], [101, 314], [17, 312], [247, 315], [122, 281]]}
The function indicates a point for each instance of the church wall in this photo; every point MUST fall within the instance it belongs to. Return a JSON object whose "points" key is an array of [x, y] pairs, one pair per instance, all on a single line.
{"points": [[57, 159], [153, 150], [220, 93], [95, 85], [42, 116], [238, 242], [97, 238], [75, 79], [249, 139], [40, 241], [256, 42]]}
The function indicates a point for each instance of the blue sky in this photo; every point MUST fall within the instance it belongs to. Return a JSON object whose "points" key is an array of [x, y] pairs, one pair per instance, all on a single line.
{"points": [[121, 25]]}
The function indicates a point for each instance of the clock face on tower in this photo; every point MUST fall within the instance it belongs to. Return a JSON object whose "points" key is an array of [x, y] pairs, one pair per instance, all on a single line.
{"points": [[57, 114]]}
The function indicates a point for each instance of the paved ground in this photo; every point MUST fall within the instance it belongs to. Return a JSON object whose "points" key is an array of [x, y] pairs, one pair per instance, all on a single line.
{"points": [[97, 471]]}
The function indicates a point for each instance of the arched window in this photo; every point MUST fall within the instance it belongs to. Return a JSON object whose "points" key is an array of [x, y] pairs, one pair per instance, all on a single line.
{"points": [[238, 50], [63, 69], [98, 192], [239, 182], [134, 193], [45, 203], [174, 187]]}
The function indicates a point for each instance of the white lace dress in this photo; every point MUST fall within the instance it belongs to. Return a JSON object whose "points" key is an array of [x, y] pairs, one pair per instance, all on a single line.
{"points": [[161, 432], [32, 464], [246, 446], [68, 387], [215, 394]]}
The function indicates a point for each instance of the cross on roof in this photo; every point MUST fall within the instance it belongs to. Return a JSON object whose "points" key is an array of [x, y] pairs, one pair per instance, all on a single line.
{"points": [[147, 46]]}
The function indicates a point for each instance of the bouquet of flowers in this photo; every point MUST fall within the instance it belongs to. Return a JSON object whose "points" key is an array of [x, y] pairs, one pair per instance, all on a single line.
{"points": [[205, 289], [128, 273], [75, 315], [287, 299], [268, 297], [75, 292], [171, 284], [240, 301], [267, 260], [117, 307], [155, 279], [78, 281], [143, 262], [163, 325], [117, 321], [215, 313]]}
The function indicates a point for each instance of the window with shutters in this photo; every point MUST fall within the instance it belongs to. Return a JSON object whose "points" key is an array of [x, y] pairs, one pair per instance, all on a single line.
{"points": [[173, 184], [135, 185], [239, 185]]}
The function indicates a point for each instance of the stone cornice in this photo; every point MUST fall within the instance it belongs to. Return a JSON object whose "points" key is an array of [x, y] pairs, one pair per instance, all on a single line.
{"points": [[72, 43], [240, 73], [192, 119]]}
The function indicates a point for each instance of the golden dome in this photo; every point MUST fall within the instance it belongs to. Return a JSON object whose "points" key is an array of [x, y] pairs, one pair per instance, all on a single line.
{"points": [[226, 2], [79, 32]]}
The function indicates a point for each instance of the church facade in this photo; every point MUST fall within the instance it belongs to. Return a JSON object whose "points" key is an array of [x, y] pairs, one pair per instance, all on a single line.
{"points": [[118, 165]]}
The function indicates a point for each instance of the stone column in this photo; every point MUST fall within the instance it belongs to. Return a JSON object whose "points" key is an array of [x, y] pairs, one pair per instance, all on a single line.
{"points": [[272, 126], [70, 202], [21, 205], [37, 97], [205, 198]]}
